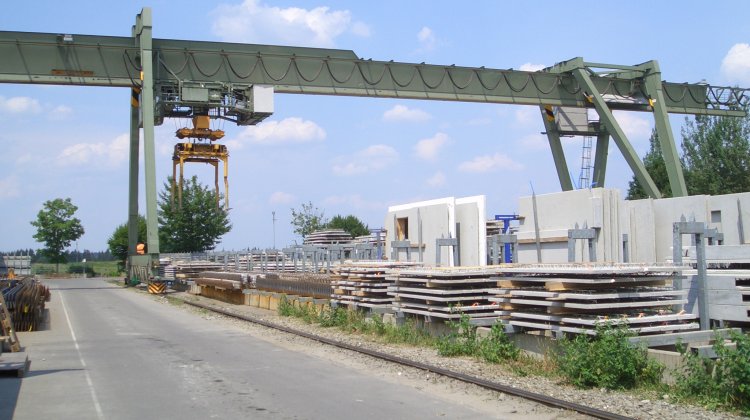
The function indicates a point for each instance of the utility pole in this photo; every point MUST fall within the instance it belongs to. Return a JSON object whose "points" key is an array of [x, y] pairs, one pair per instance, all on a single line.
{"points": [[273, 216]]}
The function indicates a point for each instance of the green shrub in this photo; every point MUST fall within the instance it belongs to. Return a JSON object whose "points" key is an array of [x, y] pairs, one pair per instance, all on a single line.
{"points": [[460, 341], [606, 360], [724, 382], [497, 347]]}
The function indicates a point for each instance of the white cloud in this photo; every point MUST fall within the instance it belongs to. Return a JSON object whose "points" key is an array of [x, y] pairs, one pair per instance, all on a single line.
{"points": [[635, 126], [255, 22], [527, 115], [436, 180], [426, 38], [403, 113], [60, 112], [9, 187], [490, 163], [19, 105], [736, 64], [531, 67], [535, 142], [353, 201], [280, 197], [288, 130], [100, 154], [428, 149], [373, 158]]}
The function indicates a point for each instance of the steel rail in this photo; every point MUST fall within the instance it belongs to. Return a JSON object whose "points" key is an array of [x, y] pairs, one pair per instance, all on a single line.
{"points": [[528, 395]]}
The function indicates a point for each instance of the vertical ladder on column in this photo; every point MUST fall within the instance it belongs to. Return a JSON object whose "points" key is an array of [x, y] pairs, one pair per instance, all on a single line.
{"points": [[6, 328], [584, 179]]}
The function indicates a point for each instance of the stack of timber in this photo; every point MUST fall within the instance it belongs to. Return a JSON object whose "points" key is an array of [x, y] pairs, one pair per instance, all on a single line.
{"points": [[365, 283], [222, 280], [328, 237], [301, 284], [576, 298], [446, 292]]}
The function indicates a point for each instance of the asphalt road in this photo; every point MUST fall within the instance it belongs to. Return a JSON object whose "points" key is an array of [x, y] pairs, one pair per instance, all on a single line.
{"points": [[111, 353]]}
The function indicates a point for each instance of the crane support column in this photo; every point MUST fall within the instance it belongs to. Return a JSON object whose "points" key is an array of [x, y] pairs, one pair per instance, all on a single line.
{"points": [[142, 33], [563, 174], [611, 125], [600, 159], [133, 172], [653, 86]]}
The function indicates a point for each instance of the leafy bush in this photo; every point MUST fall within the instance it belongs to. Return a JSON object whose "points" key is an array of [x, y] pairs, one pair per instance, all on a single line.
{"points": [[497, 347], [606, 360], [461, 341], [721, 383]]}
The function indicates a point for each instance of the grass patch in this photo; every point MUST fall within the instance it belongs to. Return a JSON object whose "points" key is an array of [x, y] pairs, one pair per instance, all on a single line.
{"points": [[462, 340], [93, 269], [356, 322]]}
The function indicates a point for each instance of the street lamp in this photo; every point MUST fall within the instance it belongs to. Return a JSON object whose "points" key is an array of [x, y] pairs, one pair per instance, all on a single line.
{"points": [[273, 215]]}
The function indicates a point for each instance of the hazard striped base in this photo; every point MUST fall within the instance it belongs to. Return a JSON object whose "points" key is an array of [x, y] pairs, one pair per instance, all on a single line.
{"points": [[157, 288]]}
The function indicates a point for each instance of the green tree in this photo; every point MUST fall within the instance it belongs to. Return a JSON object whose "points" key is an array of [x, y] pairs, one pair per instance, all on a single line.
{"points": [[118, 242], [195, 226], [716, 154], [655, 166], [308, 219], [350, 224], [57, 228]]}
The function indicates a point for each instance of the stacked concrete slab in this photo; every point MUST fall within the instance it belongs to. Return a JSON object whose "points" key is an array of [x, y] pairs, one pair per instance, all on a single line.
{"points": [[444, 293], [648, 225], [365, 283], [728, 294], [575, 298]]}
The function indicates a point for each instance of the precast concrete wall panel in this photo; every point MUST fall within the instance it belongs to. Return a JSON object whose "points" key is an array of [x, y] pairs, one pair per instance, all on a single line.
{"points": [[472, 219], [669, 210], [729, 218], [558, 212], [638, 222], [437, 220]]}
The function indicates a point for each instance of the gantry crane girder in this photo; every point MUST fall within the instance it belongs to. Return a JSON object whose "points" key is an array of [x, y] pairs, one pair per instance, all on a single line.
{"points": [[177, 78]]}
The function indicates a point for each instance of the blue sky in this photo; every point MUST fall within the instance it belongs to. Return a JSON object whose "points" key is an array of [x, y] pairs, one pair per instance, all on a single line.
{"points": [[348, 155]]}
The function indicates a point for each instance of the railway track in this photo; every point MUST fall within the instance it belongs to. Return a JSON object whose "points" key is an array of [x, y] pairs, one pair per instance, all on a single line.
{"points": [[532, 396]]}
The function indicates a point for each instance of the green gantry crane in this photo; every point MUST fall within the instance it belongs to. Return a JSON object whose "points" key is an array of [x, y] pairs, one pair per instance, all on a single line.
{"points": [[176, 78]]}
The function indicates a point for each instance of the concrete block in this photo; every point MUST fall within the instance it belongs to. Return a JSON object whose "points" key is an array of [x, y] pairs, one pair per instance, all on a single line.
{"points": [[254, 298], [264, 300]]}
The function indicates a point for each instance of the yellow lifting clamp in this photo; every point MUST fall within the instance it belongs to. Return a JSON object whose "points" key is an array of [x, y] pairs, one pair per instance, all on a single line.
{"points": [[200, 152]]}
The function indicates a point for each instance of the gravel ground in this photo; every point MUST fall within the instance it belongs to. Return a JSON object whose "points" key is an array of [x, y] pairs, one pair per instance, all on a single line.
{"points": [[627, 404]]}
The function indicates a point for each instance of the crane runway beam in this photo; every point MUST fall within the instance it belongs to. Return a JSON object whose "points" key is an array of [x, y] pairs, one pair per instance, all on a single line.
{"points": [[49, 58]]}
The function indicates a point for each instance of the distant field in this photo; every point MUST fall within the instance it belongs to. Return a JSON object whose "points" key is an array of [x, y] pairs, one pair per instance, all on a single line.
{"points": [[95, 268]]}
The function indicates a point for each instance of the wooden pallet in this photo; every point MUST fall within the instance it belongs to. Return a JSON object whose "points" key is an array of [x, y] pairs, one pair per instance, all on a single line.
{"points": [[6, 328]]}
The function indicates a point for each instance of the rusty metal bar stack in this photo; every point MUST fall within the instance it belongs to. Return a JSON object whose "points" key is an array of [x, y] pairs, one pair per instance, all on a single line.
{"points": [[25, 300], [302, 284]]}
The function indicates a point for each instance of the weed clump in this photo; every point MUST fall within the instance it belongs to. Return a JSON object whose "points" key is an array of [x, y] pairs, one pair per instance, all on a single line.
{"points": [[606, 360], [462, 340], [720, 383]]}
